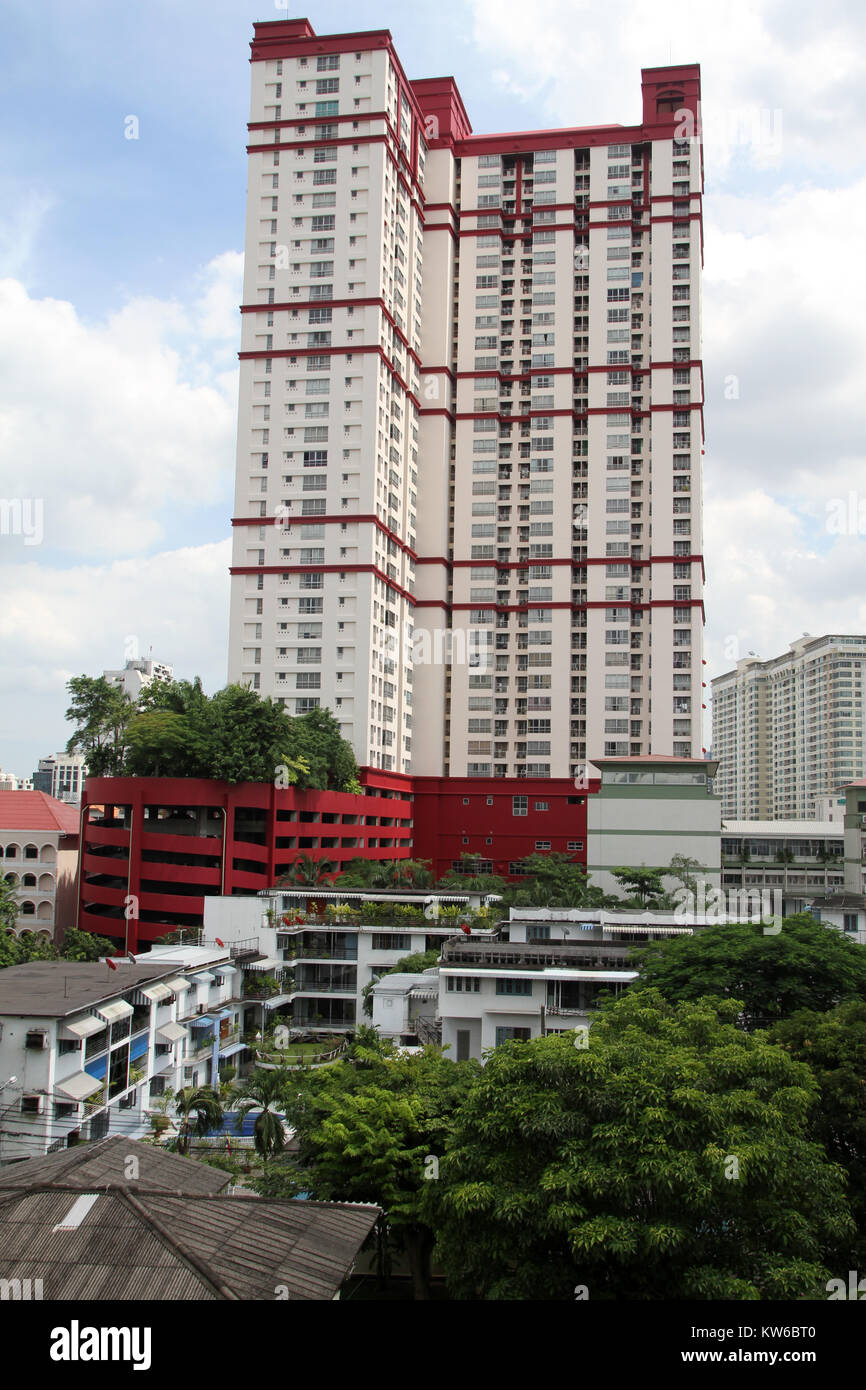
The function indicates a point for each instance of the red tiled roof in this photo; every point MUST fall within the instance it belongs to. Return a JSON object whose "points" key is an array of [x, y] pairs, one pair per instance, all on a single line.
{"points": [[36, 811]]}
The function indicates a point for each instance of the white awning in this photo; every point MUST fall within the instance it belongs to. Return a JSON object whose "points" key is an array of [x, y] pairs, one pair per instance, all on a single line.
{"points": [[267, 963], [275, 1000], [156, 992], [205, 978], [172, 1032], [112, 1012], [85, 1027], [177, 985], [79, 1086], [226, 969]]}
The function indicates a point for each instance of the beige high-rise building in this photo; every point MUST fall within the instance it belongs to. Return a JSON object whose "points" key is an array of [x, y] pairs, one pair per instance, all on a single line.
{"points": [[468, 506], [789, 732]]}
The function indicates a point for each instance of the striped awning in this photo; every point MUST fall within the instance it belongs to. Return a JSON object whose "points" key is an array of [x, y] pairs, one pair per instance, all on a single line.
{"points": [[156, 993], [78, 1086], [84, 1027], [112, 1012], [267, 963], [172, 1032]]}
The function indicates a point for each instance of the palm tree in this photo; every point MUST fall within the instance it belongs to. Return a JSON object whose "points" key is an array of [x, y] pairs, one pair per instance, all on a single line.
{"points": [[307, 870], [198, 1109], [266, 1091]]}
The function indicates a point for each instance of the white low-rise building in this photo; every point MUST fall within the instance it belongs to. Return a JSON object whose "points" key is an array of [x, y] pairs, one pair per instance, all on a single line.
{"points": [[85, 1047], [326, 946], [545, 976]]}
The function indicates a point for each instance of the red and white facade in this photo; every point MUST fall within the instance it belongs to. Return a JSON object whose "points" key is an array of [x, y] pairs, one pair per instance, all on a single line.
{"points": [[471, 404]]}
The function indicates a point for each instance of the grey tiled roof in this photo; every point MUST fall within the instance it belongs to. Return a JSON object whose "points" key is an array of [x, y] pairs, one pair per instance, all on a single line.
{"points": [[169, 1235]]}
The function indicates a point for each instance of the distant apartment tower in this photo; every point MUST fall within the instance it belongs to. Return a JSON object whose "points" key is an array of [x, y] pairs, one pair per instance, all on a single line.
{"points": [[468, 505], [789, 732], [135, 675], [62, 776]]}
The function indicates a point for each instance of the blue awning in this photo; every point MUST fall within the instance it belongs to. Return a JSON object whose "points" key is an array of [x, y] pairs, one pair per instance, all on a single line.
{"points": [[232, 1049], [200, 1020]]}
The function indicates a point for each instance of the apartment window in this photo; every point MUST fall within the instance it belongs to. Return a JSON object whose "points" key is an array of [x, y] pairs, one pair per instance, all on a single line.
{"points": [[519, 805], [391, 941], [463, 984], [504, 1035], [511, 986]]}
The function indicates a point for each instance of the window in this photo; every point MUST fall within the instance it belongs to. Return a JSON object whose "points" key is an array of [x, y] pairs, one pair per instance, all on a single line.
{"points": [[542, 805], [504, 1035], [391, 941], [463, 984], [519, 805], [511, 986]]}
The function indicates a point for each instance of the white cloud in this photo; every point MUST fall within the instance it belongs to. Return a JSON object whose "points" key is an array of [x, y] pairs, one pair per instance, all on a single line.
{"points": [[56, 623], [124, 428], [804, 61]]}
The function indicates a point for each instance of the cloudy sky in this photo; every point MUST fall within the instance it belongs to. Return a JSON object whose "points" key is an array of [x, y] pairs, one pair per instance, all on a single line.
{"points": [[120, 273]]}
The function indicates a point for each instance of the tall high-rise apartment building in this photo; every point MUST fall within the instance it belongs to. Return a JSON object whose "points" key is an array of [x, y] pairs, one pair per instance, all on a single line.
{"points": [[790, 732], [468, 505]]}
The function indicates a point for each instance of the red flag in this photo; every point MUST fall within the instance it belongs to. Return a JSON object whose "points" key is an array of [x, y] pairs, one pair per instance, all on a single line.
{"points": [[110, 964], [464, 928], [219, 943]]}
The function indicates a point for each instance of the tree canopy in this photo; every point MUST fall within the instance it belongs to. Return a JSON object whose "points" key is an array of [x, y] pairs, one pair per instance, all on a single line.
{"points": [[77, 946], [805, 965], [668, 1159], [176, 730], [371, 1129]]}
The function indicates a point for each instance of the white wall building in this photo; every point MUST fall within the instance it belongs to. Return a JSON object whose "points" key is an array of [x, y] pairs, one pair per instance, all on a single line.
{"points": [[545, 978], [62, 775], [84, 1047], [136, 675], [468, 408], [327, 960], [790, 731]]}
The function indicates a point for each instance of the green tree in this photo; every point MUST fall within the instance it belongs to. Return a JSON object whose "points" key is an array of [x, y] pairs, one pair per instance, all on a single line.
{"points": [[371, 1129], [668, 1159], [554, 880], [101, 712], [307, 871], [265, 1091], [643, 886], [685, 870], [198, 1110], [84, 946], [833, 1045], [8, 904], [156, 741], [803, 966], [468, 880], [316, 739]]}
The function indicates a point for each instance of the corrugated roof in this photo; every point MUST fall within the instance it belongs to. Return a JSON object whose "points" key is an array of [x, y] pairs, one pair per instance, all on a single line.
{"points": [[35, 811], [171, 1234], [56, 988], [92, 1166]]}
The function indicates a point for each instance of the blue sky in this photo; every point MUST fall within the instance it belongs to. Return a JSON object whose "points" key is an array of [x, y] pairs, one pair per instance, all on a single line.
{"points": [[120, 270]]}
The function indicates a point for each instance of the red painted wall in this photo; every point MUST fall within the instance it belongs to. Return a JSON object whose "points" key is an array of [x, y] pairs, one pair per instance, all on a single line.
{"points": [[244, 837]]}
